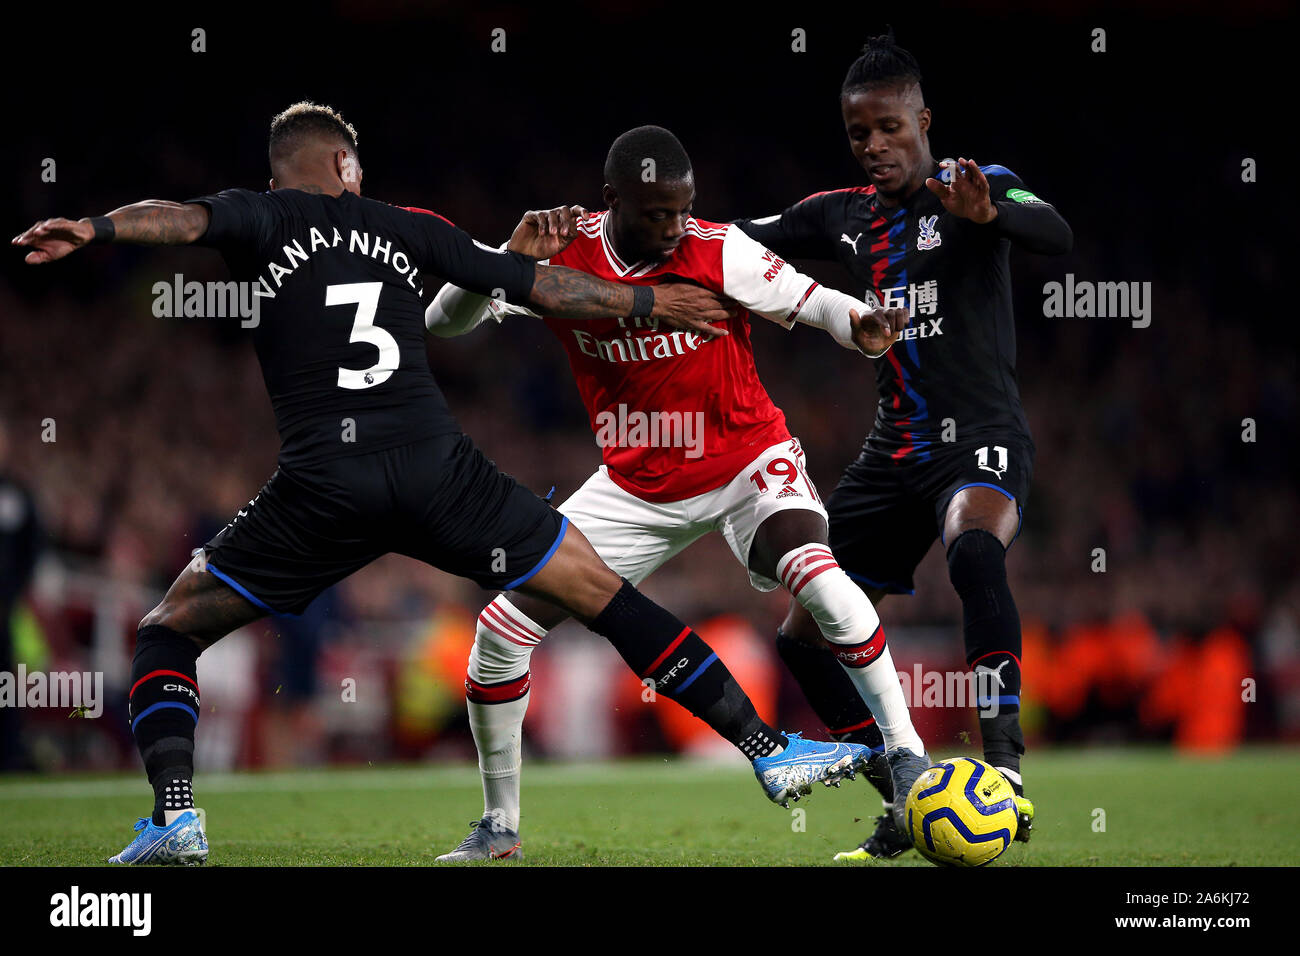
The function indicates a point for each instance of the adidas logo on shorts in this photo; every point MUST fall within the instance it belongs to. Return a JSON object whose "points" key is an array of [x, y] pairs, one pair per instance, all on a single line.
{"points": [[787, 492]]}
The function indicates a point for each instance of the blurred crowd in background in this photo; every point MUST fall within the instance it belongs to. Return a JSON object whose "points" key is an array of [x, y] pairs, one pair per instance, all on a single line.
{"points": [[1166, 447]]}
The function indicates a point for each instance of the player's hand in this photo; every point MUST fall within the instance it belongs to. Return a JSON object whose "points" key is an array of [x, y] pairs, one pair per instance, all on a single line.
{"points": [[53, 239], [543, 233], [877, 330], [691, 308], [967, 195]]}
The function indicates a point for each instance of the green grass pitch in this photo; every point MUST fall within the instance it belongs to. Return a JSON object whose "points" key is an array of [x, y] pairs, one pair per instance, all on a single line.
{"points": [[1160, 809]]}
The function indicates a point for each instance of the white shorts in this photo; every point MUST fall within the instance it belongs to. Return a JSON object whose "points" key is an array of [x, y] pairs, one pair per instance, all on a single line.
{"points": [[634, 537]]}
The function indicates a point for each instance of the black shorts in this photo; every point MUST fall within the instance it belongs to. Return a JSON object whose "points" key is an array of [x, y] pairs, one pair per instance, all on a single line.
{"points": [[438, 500], [885, 513]]}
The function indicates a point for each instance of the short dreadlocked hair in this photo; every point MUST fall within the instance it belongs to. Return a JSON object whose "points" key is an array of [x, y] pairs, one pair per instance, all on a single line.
{"points": [[304, 121], [627, 155], [882, 63]]}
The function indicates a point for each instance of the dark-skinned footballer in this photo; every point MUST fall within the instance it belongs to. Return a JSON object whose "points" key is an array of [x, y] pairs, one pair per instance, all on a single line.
{"points": [[371, 459], [950, 454]]}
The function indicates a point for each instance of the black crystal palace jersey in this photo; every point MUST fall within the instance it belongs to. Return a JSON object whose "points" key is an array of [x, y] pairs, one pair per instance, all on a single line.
{"points": [[340, 326], [957, 358]]}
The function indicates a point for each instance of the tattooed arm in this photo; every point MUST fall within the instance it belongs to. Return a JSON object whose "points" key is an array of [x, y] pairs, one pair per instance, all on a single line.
{"points": [[154, 222], [157, 222], [553, 291], [570, 294]]}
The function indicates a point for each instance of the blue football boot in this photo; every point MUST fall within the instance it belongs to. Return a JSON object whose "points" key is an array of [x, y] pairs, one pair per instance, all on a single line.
{"points": [[180, 842], [791, 773]]}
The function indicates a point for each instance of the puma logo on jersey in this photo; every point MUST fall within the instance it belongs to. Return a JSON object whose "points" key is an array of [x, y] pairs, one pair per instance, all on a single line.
{"points": [[844, 237], [982, 460]]}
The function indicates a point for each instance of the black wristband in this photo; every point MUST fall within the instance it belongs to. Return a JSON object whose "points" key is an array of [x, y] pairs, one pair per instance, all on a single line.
{"points": [[643, 302], [104, 229]]}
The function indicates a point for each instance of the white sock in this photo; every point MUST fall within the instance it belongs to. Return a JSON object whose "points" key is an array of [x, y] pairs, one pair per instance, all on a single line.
{"points": [[878, 684], [503, 646], [497, 732], [848, 620]]}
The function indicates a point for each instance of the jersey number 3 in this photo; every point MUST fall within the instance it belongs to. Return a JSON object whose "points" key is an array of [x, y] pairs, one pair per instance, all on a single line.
{"points": [[365, 295]]}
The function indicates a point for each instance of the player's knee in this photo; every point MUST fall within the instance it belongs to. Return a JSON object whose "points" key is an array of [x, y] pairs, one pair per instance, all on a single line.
{"points": [[156, 644], [581, 583], [598, 582], [978, 571], [166, 613], [841, 611], [503, 643], [162, 623], [157, 617], [976, 560]]}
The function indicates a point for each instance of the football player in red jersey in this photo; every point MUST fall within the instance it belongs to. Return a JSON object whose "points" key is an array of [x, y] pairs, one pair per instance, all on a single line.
{"points": [[691, 444]]}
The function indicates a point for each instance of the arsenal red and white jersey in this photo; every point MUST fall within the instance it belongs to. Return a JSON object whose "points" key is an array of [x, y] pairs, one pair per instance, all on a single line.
{"points": [[677, 416]]}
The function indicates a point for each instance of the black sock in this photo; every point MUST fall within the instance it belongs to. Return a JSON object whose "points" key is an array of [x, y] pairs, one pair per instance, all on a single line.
{"points": [[831, 692], [1004, 745], [164, 709], [682, 667], [991, 624]]}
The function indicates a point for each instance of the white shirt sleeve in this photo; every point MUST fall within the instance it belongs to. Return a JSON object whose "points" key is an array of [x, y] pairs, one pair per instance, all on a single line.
{"points": [[762, 281], [456, 311], [766, 284]]}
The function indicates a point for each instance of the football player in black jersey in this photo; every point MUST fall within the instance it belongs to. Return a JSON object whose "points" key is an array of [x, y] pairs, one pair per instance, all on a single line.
{"points": [[372, 461], [950, 454]]}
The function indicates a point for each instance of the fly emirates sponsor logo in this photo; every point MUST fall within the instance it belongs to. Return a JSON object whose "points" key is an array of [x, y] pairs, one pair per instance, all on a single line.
{"points": [[626, 346], [624, 427]]}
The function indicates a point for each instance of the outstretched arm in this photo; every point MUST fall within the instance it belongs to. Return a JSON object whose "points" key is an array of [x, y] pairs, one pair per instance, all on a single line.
{"points": [[570, 294], [455, 311], [541, 233], [153, 222], [767, 285], [799, 232], [1013, 211]]}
